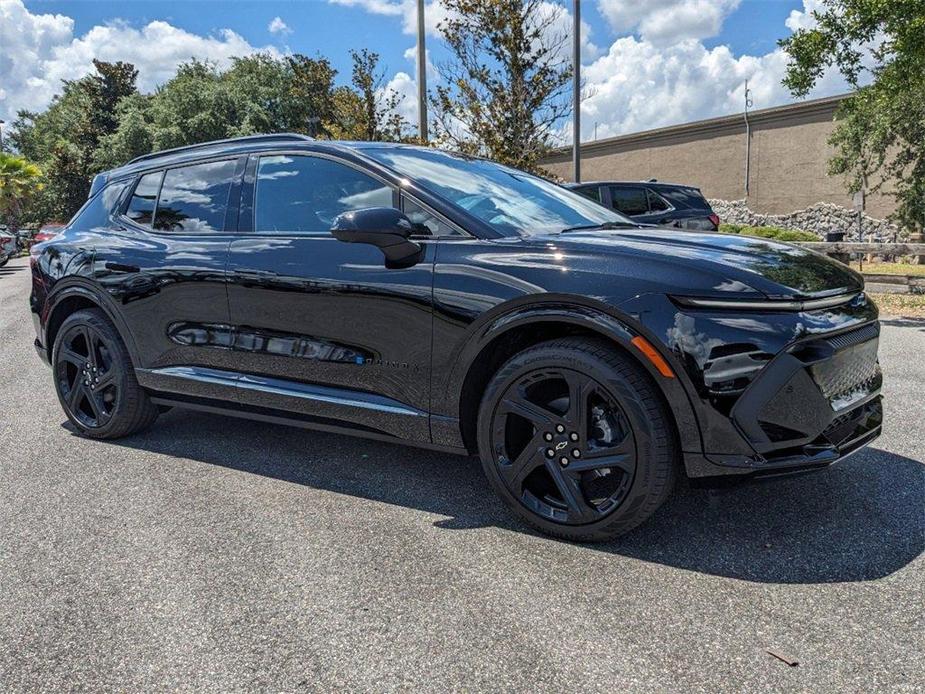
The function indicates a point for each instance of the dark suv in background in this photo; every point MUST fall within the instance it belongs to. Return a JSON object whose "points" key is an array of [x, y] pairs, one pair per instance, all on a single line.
{"points": [[415, 295], [652, 202]]}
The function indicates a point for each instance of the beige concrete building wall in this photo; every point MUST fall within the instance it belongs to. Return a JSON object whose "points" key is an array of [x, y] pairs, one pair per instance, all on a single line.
{"points": [[789, 157]]}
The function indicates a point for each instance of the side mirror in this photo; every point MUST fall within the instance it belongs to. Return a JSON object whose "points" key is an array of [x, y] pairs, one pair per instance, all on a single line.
{"points": [[384, 227]]}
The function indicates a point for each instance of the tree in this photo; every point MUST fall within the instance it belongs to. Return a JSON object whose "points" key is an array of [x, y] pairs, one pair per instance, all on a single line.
{"points": [[506, 87], [20, 180], [881, 126], [65, 138], [368, 110]]}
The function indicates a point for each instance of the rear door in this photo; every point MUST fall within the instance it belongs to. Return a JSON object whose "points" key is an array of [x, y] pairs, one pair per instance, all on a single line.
{"points": [[164, 262], [322, 328]]}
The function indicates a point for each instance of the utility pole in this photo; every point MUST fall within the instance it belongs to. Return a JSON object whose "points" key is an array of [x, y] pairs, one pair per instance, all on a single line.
{"points": [[576, 91], [2, 122], [748, 139], [422, 76]]}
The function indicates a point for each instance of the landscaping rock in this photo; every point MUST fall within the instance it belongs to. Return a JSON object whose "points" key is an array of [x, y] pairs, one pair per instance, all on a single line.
{"points": [[819, 219]]}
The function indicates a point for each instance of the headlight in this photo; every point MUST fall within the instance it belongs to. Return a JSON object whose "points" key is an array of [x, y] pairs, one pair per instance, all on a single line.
{"points": [[770, 304]]}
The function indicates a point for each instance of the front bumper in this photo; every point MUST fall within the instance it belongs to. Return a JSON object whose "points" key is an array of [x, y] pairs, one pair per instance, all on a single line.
{"points": [[811, 405]]}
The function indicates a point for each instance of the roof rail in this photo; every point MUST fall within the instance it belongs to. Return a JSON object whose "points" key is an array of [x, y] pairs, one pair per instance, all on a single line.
{"points": [[201, 145]]}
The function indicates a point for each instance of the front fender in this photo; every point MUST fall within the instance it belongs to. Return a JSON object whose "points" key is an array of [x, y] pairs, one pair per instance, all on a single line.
{"points": [[578, 311]]}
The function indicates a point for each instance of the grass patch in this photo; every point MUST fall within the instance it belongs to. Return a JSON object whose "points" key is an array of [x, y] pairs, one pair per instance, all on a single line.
{"points": [[905, 305], [890, 268], [775, 233]]}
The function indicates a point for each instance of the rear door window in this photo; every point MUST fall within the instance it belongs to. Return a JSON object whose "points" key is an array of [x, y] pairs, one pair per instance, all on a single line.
{"points": [[657, 202], [629, 199], [592, 192], [195, 198]]}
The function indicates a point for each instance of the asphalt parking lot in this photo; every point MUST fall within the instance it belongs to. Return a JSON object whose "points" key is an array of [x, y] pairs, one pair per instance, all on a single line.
{"points": [[219, 554]]}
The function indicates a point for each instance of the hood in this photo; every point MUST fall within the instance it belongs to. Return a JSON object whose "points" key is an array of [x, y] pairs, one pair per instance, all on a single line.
{"points": [[778, 270]]}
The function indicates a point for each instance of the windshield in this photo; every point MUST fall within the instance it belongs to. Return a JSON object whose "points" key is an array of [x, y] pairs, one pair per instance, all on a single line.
{"points": [[507, 199]]}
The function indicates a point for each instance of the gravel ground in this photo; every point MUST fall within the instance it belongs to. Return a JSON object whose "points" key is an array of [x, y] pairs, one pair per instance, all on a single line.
{"points": [[218, 554]]}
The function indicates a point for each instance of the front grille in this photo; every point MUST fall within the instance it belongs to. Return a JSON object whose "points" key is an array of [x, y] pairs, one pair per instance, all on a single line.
{"points": [[849, 374], [855, 337], [847, 427]]}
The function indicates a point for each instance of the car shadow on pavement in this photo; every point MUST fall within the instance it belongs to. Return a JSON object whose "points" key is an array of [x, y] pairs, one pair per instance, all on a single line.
{"points": [[859, 520]]}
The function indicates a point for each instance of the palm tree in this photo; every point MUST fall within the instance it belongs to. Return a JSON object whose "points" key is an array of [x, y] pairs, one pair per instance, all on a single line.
{"points": [[19, 181]]}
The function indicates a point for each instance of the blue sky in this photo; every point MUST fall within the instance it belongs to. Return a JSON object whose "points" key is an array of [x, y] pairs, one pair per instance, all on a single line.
{"points": [[646, 63], [331, 29]]}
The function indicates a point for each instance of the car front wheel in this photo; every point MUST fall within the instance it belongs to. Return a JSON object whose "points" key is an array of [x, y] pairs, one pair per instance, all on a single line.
{"points": [[575, 438]]}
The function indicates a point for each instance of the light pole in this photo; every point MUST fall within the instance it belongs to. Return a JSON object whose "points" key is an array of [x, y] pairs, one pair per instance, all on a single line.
{"points": [[748, 140], [2, 123], [422, 76], [576, 91]]}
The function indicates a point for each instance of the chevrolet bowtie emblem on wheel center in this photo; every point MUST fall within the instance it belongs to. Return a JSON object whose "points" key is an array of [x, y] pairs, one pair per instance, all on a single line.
{"points": [[561, 445]]}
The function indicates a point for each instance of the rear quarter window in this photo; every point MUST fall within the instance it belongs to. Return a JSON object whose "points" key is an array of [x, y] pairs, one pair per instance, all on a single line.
{"points": [[685, 197], [99, 210], [144, 199], [629, 200]]}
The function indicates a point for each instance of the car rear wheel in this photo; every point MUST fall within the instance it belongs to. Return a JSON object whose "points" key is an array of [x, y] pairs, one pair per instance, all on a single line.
{"points": [[95, 379], [576, 440]]}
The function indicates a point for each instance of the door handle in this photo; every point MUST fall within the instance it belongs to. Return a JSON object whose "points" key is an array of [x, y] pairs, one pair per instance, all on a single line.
{"points": [[119, 267]]}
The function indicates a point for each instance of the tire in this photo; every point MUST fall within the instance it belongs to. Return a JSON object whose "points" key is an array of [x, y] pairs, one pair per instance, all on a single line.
{"points": [[4, 260], [95, 379], [612, 440]]}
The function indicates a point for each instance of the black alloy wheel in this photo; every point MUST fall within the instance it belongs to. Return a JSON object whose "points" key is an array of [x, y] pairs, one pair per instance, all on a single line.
{"points": [[95, 378], [576, 439], [563, 446], [87, 376]]}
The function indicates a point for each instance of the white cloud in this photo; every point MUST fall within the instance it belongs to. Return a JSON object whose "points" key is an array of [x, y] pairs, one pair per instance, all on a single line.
{"points": [[407, 10], [667, 21], [803, 19], [643, 83], [40, 50], [278, 26], [435, 13]]}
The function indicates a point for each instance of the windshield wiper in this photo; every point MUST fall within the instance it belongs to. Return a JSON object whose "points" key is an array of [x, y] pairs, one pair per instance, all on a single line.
{"points": [[605, 226]]}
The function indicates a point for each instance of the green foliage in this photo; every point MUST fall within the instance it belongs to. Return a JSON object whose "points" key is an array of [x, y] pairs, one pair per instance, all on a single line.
{"points": [[776, 233], [20, 180], [101, 121], [368, 111], [881, 127], [507, 85], [65, 138]]}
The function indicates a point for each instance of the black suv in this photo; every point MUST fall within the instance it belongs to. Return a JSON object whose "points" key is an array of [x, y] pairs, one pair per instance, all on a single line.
{"points": [[652, 202], [420, 296]]}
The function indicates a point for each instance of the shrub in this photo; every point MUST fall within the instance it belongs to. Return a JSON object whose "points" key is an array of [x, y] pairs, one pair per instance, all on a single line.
{"points": [[775, 233]]}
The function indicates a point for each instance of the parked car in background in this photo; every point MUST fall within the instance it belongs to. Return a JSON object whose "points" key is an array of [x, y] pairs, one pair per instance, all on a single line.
{"points": [[8, 247], [415, 295], [652, 202], [47, 233]]}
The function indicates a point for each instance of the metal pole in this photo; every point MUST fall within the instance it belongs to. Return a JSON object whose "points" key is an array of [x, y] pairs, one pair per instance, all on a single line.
{"points": [[576, 91], [422, 76], [748, 140]]}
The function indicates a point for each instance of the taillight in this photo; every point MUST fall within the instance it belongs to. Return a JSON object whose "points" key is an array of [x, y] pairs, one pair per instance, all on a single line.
{"points": [[715, 219], [5, 240]]}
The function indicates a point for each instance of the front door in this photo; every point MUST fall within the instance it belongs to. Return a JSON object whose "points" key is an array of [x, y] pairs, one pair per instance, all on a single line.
{"points": [[322, 328]]}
